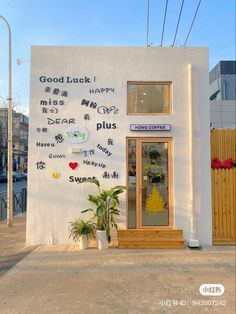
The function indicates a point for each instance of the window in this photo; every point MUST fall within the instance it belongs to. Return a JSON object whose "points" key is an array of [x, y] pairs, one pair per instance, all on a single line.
{"points": [[149, 98]]}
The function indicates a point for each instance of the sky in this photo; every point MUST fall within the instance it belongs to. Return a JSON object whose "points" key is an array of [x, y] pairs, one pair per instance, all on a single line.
{"points": [[107, 23]]}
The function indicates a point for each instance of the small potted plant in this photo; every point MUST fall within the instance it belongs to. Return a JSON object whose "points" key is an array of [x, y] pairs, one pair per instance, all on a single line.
{"points": [[80, 230], [106, 203]]}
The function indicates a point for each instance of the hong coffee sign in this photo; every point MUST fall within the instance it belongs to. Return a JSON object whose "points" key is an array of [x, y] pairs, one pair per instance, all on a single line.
{"points": [[150, 127]]}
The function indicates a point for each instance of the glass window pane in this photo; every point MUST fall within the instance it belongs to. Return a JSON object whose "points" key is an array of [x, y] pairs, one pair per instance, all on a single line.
{"points": [[149, 98], [132, 184], [155, 207]]}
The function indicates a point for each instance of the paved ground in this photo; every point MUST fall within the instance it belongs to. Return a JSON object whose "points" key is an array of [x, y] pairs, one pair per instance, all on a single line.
{"points": [[62, 279], [12, 243]]}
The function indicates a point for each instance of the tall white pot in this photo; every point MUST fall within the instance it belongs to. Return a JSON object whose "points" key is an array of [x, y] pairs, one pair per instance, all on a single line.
{"points": [[83, 242], [101, 240]]}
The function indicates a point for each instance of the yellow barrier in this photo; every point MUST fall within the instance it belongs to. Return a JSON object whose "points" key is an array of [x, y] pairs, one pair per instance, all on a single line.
{"points": [[223, 146]]}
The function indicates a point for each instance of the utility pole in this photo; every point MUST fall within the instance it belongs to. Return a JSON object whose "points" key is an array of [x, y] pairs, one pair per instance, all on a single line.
{"points": [[9, 138]]}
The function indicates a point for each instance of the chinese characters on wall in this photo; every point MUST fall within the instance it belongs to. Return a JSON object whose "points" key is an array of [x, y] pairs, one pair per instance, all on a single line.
{"points": [[75, 130]]}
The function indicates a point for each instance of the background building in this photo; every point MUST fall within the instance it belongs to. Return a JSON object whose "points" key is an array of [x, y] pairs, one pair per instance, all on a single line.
{"points": [[20, 140], [223, 95]]}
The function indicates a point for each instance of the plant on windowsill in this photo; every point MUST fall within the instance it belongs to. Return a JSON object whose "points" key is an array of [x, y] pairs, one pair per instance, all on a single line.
{"points": [[80, 230], [106, 203]]}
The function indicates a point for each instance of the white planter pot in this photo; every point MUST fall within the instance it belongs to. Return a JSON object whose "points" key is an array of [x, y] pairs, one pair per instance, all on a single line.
{"points": [[101, 240], [83, 242]]}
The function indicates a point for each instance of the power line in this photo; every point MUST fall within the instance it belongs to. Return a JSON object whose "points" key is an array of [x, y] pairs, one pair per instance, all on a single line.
{"points": [[206, 20], [163, 28], [176, 31], [148, 7], [192, 22]]}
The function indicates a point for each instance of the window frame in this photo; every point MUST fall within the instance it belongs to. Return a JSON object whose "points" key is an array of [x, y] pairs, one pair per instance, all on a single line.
{"points": [[170, 111]]}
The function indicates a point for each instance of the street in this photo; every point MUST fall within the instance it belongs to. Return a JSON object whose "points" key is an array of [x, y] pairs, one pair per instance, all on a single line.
{"points": [[19, 185]]}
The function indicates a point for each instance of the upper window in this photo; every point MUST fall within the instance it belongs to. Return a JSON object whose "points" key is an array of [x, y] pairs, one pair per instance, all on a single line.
{"points": [[149, 98]]}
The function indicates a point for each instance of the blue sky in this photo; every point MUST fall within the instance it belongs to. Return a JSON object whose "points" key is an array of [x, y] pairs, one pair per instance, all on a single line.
{"points": [[108, 23]]}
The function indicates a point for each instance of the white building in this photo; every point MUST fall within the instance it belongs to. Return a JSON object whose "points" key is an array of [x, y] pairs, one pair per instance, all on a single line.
{"points": [[141, 116]]}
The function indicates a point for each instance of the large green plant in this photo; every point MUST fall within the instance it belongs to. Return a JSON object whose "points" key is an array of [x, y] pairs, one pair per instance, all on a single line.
{"points": [[106, 203]]}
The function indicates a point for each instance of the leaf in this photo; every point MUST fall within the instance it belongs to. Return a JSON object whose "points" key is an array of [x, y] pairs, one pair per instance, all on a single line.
{"points": [[113, 224], [87, 210], [104, 195], [115, 211], [120, 187], [93, 199], [115, 201], [91, 181], [108, 200], [108, 234], [100, 211], [117, 192]]}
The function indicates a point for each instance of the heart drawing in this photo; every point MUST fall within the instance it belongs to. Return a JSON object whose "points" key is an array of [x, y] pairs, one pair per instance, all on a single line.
{"points": [[73, 165]]}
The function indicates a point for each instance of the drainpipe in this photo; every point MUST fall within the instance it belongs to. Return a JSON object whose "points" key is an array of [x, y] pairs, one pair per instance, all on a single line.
{"points": [[192, 242]]}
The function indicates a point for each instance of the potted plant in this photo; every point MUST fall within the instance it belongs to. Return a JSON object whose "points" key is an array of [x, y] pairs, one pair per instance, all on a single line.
{"points": [[106, 203], [153, 155], [81, 230]]}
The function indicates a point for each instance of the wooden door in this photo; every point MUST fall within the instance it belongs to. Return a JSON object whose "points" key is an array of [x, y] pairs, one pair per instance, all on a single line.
{"points": [[149, 178]]}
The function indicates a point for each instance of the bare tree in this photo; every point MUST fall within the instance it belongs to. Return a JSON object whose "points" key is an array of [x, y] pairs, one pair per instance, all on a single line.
{"points": [[4, 128]]}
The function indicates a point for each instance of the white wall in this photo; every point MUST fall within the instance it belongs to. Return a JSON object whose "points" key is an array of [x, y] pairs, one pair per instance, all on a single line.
{"points": [[52, 203]]}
